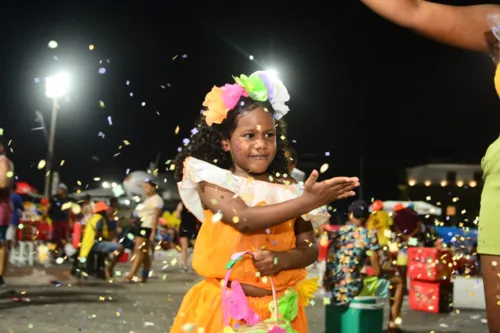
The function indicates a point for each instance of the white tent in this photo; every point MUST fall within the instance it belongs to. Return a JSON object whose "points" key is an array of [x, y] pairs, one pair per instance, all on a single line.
{"points": [[422, 207]]}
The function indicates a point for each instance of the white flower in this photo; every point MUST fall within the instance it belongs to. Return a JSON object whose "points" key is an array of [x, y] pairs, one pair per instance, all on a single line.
{"points": [[279, 99]]}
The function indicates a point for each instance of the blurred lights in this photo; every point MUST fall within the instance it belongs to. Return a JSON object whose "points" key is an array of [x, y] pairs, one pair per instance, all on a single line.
{"points": [[444, 183], [460, 183], [57, 86], [412, 182], [472, 183], [427, 183]]}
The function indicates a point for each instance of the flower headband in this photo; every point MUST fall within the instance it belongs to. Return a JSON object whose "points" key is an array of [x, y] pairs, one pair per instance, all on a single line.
{"points": [[260, 86]]}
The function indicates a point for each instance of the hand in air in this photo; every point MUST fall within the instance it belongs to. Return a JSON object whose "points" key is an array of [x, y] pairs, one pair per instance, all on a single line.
{"points": [[267, 262], [319, 194]]}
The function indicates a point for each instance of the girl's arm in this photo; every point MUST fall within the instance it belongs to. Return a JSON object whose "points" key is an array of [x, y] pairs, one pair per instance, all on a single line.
{"points": [[306, 249], [247, 220], [465, 27]]}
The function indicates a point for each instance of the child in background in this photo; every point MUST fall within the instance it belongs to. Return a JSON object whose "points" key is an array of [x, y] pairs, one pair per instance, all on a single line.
{"points": [[233, 177]]}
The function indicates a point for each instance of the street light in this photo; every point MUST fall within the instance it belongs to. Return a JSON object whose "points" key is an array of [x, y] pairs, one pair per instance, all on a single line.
{"points": [[273, 72], [55, 87]]}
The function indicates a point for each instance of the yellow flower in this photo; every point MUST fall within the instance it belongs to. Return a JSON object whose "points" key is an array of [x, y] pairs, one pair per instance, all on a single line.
{"points": [[216, 109], [497, 80]]}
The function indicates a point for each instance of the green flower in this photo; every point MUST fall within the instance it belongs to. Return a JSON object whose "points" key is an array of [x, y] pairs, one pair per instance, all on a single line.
{"points": [[254, 86], [288, 305]]}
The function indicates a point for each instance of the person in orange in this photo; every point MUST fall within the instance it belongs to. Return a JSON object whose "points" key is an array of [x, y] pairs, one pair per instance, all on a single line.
{"points": [[254, 223]]}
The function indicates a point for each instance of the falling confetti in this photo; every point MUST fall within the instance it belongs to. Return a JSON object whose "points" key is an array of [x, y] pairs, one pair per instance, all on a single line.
{"points": [[323, 168], [41, 164], [53, 44]]}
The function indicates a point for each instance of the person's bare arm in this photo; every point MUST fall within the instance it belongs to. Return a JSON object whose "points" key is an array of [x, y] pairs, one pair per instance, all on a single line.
{"points": [[464, 27], [246, 219], [4, 169], [178, 210], [156, 217], [375, 263], [416, 231]]}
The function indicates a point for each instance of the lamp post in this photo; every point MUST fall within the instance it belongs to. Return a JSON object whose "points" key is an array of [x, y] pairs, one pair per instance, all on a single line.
{"points": [[55, 87]]}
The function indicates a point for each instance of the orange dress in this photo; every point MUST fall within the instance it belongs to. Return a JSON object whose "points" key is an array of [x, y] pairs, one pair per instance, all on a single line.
{"points": [[217, 242]]}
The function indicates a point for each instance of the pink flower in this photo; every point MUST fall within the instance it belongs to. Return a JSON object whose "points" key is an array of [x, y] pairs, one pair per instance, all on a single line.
{"points": [[231, 94], [276, 329]]}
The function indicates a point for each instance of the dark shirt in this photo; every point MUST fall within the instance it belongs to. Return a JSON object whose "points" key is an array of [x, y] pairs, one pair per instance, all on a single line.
{"points": [[406, 221], [187, 218], [111, 227], [55, 212]]}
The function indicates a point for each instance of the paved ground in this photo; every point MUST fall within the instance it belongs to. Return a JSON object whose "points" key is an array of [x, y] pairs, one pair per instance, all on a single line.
{"points": [[35, 303]]}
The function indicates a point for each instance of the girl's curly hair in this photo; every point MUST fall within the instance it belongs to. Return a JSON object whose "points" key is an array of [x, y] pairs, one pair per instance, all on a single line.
{"points": [[206, 141]]}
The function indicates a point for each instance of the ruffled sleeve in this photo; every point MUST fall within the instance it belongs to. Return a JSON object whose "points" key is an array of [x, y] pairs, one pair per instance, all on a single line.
{"points": [[196, 171], [253, 192], [317, 217]]}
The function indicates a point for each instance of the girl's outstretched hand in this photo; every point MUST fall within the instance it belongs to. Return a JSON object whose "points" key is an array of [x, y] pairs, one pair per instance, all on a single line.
{"points": [[317, 194]]}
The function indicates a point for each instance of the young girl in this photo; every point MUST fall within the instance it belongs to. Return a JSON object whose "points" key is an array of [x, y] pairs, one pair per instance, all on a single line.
{"points": [[466, 27], [233, 177]]}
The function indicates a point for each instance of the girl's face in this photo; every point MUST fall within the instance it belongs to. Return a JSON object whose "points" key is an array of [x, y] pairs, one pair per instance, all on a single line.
{"points": [[253, 143]]}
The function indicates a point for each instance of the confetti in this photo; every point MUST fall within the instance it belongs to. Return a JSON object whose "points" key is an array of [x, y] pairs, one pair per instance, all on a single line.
{"points": [[41, 164], [53, 44], [217, 217], [323, 168]]}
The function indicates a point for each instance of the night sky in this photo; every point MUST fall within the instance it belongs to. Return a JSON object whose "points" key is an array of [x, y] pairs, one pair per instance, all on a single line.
{"points": [[359, 85]]}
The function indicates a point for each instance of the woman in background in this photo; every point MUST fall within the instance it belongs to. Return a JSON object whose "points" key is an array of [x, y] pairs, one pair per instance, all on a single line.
{"points": [[188, 231]]}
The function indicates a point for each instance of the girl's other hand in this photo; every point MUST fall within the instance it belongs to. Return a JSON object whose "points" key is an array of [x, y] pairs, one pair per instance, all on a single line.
{"points": [[317, 194], [267, 262]]}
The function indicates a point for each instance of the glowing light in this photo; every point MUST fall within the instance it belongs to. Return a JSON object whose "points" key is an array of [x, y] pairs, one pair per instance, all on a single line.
{"points": [[251, 57], [53, 44], [444, 183], [473, 183], [57, 86], [272, 72], [412, 182], [460, 183], [91, 47], [427, 183]]}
